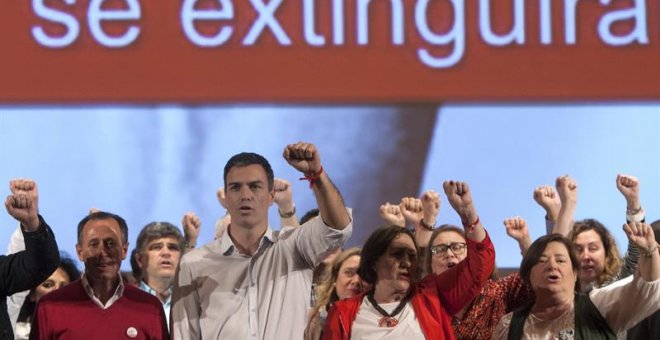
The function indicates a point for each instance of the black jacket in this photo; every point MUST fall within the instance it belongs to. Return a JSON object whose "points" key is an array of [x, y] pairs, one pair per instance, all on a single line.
{"points": [[26, 269]]}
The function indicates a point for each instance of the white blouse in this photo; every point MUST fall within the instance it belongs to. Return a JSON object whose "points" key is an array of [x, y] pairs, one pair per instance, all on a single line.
{"points": [[365, 326]]}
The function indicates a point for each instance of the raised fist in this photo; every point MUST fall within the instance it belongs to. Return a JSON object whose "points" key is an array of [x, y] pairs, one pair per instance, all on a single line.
{"points": [[392, 215], [304, 157], [640, 234], [629, 188], [430, 206], [516, 228], [460, 199], [567, 189], [283, 195], [548, 199], [411, 208], [192, 225], [22, 204]]}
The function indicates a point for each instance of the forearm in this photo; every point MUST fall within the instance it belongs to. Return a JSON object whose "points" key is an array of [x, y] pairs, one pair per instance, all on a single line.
{"points": [[524, 244], [565, 219], [551, 214], [289, 221], [32, 266], [422, 236], [287, 214], [474, 229], [630, 261], [331, 205], [190, 242], [649, 264]]}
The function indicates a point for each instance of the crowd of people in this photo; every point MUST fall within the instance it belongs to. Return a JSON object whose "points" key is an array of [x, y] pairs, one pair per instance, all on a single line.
{"points": [[410, 280]]}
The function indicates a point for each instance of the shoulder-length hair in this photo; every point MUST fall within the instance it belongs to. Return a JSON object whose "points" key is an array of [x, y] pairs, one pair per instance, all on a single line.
{"points": [[613, 261]]}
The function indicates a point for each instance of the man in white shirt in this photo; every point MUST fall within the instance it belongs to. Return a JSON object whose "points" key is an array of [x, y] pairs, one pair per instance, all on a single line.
{"points": [[249, 283]]}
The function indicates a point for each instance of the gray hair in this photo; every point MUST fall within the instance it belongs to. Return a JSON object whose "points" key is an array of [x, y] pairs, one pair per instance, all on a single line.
{"points": [[156, 230]]}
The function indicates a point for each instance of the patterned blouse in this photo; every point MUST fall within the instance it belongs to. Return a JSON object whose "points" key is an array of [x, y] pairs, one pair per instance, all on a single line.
{"points": [[497, 298]]}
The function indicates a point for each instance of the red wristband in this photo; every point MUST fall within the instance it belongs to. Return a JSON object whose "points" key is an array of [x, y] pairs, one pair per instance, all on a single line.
{"points": [[469, 228], [312, 178]]}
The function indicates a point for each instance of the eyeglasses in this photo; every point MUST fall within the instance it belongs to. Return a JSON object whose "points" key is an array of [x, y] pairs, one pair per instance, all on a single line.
{"points": [[457, 248]]}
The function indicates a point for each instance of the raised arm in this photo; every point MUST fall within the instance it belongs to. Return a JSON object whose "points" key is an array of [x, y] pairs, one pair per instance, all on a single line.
{"points": [[460, 199], [516, 228], [629, 187], [284, 201], [641, 234], [26, 269], [548, 199], [391, 215], [305, 158], [422, 214], [626, 302], [567, 189], [461, 283], [192, 225]]}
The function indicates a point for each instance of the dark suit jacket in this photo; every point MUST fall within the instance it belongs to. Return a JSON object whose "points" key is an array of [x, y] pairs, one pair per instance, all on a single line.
{"points": [[26, 269]]}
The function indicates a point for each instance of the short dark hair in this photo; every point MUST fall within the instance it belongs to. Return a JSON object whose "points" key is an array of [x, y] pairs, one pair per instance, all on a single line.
{"points": [[309, 215], [375, 247], [69, 266], [102, 215], [249, 158], [537, 248], [156, 230], [135, 267]]}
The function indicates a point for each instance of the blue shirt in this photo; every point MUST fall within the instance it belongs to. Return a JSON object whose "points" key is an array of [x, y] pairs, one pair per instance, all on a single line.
{"points": [[166, 304]]}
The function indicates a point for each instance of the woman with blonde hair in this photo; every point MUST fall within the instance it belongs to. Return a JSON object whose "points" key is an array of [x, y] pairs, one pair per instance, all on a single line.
{"points": [[341, 282]]}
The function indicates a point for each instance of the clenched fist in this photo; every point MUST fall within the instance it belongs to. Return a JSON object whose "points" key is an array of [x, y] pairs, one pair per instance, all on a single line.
{"points": [[304, 157], [22, 204]]}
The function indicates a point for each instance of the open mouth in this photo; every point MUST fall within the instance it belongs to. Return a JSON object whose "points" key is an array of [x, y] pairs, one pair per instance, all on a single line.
{"points": [[245, 209], [166, 263], [451, 264], [552, 278]]}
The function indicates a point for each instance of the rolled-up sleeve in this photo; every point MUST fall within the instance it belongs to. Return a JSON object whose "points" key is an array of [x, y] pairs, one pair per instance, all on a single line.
{"points": [[315, 240]]}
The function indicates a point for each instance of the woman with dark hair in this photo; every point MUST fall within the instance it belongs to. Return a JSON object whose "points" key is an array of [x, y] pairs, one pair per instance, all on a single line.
{"points": [[65, 273], [551, 267], [400, 306]]}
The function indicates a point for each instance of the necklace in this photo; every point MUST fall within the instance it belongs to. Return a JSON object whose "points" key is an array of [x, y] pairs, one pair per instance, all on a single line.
{"points": [[388, 320]]}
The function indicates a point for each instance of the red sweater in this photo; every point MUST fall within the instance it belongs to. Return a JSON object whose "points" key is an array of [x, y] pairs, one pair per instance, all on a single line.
{"points": [[69, 313], [434, 299]]}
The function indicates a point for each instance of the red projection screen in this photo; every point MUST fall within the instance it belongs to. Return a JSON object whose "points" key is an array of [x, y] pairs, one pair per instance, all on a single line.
{"points": [[328, 51]]}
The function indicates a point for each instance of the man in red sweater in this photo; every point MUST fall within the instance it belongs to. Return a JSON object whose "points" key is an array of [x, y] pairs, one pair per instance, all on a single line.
{"points": [[99, 305]]}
